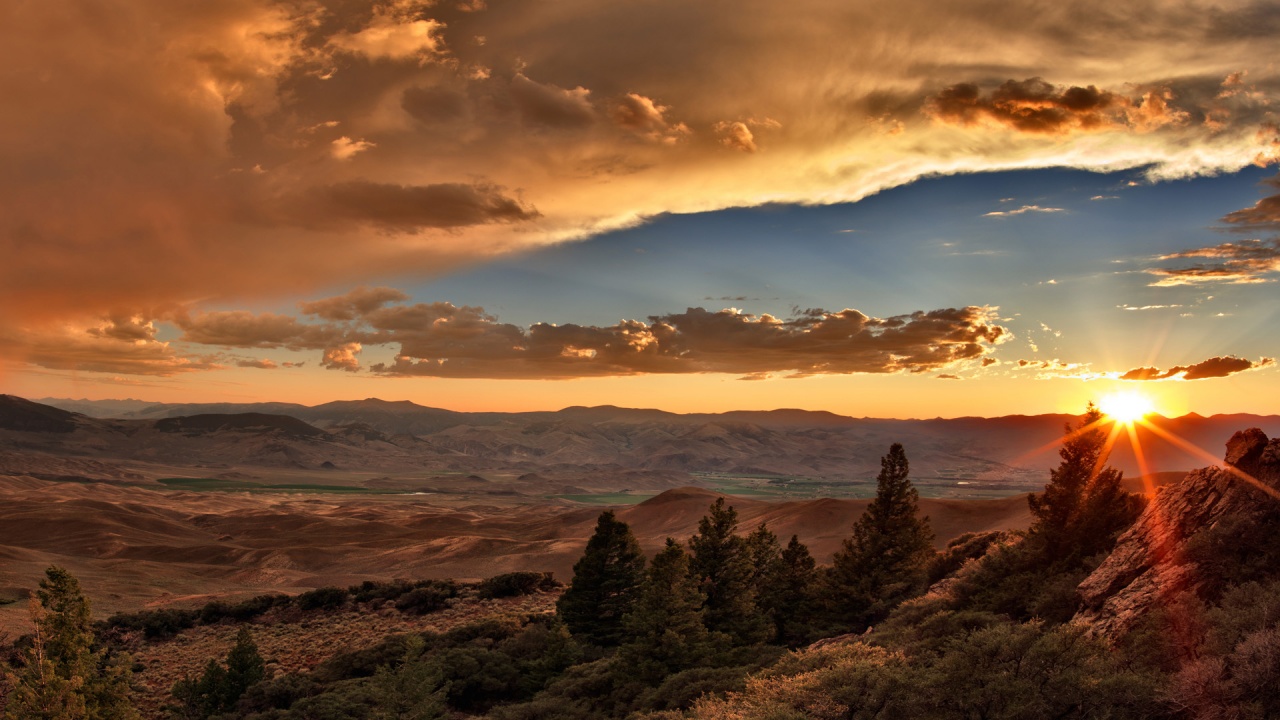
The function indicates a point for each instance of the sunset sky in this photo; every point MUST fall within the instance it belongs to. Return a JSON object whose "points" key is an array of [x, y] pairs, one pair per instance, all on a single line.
{"points": [[891, 209]]}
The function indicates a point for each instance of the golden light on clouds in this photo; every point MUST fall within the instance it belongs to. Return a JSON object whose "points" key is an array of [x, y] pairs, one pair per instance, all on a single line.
{"points": [[169, 162]]}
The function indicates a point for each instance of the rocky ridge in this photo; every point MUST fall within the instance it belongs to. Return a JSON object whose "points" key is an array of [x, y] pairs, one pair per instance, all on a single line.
{"points": [[1150, 564]]}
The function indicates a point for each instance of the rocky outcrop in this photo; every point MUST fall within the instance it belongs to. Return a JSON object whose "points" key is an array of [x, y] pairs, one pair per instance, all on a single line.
{"points": [[1149, 564]]}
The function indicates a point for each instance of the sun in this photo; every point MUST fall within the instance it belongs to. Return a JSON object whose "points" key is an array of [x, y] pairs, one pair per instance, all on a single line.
{"points": [[1126, 407]]}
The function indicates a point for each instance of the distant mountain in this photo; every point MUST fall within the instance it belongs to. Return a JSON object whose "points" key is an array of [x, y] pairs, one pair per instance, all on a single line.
{"points": [[1012, 450], [246, 422]]}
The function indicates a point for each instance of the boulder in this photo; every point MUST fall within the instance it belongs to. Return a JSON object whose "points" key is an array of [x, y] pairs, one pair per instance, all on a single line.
{"points": [[1149, 565]]}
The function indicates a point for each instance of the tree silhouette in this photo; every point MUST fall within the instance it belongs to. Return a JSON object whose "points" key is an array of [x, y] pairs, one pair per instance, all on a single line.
{"points": [[1083, 507], [606, 580], [665, 628], [788, 595], [884, 561], [722, 564]]}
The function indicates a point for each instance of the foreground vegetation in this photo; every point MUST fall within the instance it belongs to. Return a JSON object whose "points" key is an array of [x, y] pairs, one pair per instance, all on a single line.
{"points": [[733, 624]]}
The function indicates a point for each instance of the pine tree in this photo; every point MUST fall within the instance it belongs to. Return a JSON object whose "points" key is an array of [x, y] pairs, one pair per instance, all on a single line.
{"points": [[884, 560], [64, 676], [245, 667], [722, 565], [765, 553], [665, 629], [789, 594], [606, 580], [1083, 507], [221, 686]]}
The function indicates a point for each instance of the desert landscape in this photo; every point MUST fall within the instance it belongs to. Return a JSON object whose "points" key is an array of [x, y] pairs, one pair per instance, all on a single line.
{"points": [[158, 508]]}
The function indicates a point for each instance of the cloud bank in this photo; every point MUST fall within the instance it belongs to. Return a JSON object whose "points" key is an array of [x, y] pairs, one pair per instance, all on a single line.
{"points": [[157, 154], [445, 340]]}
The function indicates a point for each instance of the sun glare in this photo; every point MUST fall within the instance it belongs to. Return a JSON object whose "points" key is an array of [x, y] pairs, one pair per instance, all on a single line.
{"points": [[1126, 407]]}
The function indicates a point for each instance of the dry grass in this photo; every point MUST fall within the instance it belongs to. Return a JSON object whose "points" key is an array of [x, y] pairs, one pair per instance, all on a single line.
{"points": [[299, 641]]}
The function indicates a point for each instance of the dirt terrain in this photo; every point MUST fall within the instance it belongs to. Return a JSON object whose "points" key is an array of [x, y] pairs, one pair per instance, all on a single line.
{"points": [[133, 547]]}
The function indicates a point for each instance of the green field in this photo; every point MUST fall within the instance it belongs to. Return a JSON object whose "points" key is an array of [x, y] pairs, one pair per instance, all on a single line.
{"points": [[607, 498], [221, 485]]}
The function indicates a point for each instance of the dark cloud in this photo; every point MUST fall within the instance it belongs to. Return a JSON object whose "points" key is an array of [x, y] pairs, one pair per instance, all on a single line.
{"points": [[261, 364], [444, 340], [1037, 107], [552, 106], [1215, 367], [354, 304], [1264, 215], [410, 208], [242, 329], [434, 104], [471, 344]]}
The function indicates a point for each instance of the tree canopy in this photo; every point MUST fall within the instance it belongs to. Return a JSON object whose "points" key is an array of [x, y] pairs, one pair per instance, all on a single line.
{"points": [[606, 580]]}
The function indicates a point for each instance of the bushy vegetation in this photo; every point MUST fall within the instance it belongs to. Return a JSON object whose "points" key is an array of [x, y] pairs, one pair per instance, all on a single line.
{"points": [[514, 584], [414, 597]]}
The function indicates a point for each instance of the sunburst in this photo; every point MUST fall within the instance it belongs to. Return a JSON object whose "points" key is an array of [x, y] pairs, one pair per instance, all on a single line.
{"points": [[1126, 408]]}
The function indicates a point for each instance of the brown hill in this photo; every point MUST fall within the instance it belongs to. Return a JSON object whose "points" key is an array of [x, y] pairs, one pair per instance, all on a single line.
{"points": [[132, 546]]}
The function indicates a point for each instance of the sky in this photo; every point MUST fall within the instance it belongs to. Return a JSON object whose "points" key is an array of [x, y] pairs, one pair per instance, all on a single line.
{"points": [[901, 209]]}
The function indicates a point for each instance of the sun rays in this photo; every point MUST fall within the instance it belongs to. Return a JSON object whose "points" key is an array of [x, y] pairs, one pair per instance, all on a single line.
{"points": [[1126, 407]]}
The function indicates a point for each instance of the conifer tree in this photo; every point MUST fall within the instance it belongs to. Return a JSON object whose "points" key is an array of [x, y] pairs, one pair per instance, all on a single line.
{"points": [[765, 553], [664, 628], [245, 667], [722, 565], [221, 686], [64, 676], [789, 594], [884, 560], [1083, 507], [606, 580]]}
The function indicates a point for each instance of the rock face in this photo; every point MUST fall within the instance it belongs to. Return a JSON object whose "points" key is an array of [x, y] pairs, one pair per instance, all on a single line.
{"points": [[1149, 563]]}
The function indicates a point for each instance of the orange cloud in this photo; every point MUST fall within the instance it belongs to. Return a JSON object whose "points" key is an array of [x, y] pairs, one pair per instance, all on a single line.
{"points": [[1035, 106], [1215, 367], [208, 138]]}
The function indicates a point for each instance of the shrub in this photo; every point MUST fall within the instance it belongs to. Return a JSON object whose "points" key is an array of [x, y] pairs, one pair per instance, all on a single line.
{"points": [[514, 584], [154, 624], [371, 590], [428, 599], [325, 598]]}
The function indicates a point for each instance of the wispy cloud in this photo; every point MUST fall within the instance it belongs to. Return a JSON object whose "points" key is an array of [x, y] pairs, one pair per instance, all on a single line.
{"points": [[1236, 263], [1024, 210]]}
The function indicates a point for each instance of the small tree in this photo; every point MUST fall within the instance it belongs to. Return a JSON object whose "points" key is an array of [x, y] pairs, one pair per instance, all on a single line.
{"points": [[221, 687], [606, 580], [1083, 507], [665, 627], [722, 564], [885, 559], [63, 675]]}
